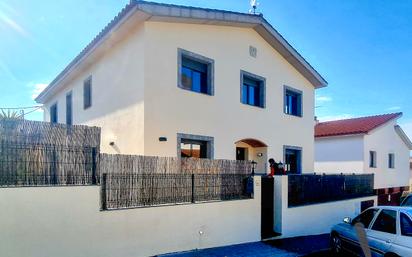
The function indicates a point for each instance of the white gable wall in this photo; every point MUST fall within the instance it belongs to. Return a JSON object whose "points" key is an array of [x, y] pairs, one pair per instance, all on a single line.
{"points": [[385, 140], [343, 154]]}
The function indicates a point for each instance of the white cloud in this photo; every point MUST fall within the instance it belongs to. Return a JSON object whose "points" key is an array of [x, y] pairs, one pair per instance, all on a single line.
{"points": [[324, 99], [335, 117], [37, 89], [394, 108]]}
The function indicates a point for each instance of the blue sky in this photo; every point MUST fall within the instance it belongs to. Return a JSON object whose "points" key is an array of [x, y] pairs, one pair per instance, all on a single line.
{"points": [[362, 48]]}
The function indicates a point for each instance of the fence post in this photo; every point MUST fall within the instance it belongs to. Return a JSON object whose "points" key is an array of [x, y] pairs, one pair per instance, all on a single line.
{"points": [[94, 166], [103, 198], [193, 188]]}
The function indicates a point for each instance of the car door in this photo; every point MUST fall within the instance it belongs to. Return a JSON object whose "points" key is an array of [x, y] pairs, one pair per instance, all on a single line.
{"points": [[403, 244], [382, 232], [349, 236]]}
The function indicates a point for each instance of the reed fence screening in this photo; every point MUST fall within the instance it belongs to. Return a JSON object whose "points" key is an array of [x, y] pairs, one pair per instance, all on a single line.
{"points": [[141, 181], [314, 189], [36, 153], [133, 190], [138, 164]]}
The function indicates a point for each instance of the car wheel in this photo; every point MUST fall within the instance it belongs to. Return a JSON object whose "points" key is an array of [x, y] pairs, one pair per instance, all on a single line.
{"points": [[336, 244]]}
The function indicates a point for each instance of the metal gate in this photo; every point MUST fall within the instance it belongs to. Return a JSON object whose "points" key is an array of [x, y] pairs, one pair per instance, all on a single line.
{"points": [[267, 208]]}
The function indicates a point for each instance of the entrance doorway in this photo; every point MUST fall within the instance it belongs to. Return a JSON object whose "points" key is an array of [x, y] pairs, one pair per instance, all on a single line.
{"points": [[250, 149], [241, 154]]}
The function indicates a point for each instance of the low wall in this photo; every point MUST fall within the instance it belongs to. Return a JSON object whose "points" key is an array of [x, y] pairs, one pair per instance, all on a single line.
{"points": [[66, 222], [310, 219]]}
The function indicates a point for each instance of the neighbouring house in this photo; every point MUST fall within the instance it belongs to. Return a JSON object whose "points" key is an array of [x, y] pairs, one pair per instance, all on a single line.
{"points": [[374, 144], [170, 80]]}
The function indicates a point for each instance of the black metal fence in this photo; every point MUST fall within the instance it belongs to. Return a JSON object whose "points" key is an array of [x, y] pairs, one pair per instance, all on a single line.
{"points": [[142, 190], [314, 189], [42, 154]]}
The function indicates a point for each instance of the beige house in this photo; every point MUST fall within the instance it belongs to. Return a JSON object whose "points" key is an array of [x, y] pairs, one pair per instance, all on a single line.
{"points": [[169, 80]]}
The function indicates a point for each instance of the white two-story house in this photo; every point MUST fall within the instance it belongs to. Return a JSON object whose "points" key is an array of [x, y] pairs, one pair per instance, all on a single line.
{"points": [[170, 80], [370, 145]]}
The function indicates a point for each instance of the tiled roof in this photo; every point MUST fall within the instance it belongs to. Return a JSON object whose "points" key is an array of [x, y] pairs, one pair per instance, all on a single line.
{"points": [[354, 126]]}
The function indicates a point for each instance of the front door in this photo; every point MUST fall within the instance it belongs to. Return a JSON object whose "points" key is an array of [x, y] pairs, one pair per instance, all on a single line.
{"points": [[241, 154]]}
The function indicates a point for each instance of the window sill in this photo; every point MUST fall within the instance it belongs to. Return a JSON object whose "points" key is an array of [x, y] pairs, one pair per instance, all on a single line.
{"points": [[256, 106], [200, 93], [293, 115]]}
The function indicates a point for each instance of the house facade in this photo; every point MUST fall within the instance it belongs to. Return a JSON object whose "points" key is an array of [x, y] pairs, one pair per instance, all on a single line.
{"points": [[169, 80], [367, 145]]}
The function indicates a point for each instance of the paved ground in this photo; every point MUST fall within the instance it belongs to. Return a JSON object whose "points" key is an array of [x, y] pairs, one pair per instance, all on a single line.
{"points": [[300, 246]]}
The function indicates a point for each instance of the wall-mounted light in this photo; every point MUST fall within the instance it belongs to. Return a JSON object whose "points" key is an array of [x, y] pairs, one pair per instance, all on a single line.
{"points": [[260, 154], [162, 139]]}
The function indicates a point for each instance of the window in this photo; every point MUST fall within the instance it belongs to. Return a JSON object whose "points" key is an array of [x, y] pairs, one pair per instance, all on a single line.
{"points": [[192, 146], [293, 159], [406, 225], [195, 72], [87, 93], [365, 217], [407, 201], [391, 161], [53, 113], [252, 89], [69, 109], [293, 101], [385, 222], [372, 159]]}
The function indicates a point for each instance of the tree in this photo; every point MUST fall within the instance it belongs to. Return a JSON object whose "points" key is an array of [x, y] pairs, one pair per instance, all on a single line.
{"points": [[9, 114]]}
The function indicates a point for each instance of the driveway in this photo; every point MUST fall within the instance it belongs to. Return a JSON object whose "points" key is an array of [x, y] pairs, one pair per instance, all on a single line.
{"points": [[299, 246]]}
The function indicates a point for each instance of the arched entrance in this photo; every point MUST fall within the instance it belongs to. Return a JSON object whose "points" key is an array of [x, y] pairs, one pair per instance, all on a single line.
{"points": [[251, 149]]}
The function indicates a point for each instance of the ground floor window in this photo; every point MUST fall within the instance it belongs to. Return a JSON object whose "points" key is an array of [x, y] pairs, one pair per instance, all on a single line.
{"points": [[194, 146], [293, 159]]}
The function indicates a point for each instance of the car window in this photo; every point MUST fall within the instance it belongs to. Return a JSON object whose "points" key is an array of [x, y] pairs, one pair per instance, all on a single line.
{"points": [[385, 222], [365, 217], [406, 225], [407, 201]]}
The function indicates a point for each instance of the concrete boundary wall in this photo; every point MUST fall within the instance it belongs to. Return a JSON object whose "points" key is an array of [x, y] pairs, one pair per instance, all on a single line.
{"points": [[66, 222], [310, 219]]}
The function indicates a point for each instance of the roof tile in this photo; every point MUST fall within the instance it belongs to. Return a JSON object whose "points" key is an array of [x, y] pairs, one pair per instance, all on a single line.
{"points": [[354, 126]]}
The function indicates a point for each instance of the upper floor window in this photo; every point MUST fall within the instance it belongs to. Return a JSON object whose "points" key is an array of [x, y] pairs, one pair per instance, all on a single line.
{"points": [[195, 72], [293, 102], [87, 93], [69, 109], [372, 159], [53, 113], [252, 89], [391, 161]]}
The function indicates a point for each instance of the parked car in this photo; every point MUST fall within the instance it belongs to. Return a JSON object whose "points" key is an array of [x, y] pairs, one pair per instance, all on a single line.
{"points": [[406, 200], [388, 232]]}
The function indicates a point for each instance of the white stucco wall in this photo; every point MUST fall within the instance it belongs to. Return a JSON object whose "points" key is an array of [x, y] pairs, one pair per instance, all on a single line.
{"points": [[385, 140], [136, 99], [170, 109], [339, 155], [117, 95], [310, 219], [66, 222]]}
